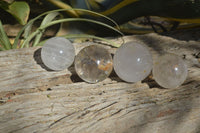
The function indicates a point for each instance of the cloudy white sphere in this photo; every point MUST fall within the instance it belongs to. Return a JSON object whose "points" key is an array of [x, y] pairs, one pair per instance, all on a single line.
{"points": [[58, 53], [132, 62], [170, 71]]}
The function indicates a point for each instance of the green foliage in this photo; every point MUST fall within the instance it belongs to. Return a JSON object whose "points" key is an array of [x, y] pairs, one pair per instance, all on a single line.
{"points": [[18, 9], [4, 40], [49, 20]]}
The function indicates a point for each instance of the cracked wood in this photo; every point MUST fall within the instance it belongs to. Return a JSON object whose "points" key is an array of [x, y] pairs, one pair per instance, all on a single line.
{"points": [[34, 99]]}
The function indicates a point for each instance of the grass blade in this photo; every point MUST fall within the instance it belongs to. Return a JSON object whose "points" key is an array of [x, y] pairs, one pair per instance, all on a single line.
{"points": [[27, 32], [4, 38], [69, 36], [80, 19], [65, 20], [101, 15], [48, 18], [59, 10]]}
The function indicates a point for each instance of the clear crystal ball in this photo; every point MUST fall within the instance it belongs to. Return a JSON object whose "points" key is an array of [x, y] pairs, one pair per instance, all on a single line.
{"points": [[170, 71], [58, 53], [132, 62], [93, 64]]}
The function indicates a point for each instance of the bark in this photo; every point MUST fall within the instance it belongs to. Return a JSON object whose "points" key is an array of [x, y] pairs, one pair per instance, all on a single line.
{"points": [[35, 99]]}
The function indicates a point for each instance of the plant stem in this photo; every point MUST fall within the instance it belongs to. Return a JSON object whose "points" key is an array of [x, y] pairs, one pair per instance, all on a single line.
{"points": [[59, 21], [26, 42], [80, 19], [94, 37]]}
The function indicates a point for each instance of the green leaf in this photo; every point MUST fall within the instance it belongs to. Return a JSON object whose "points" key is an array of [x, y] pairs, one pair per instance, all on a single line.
{"points": [[48, 18], [18, 9], [27, 32], [27, 40], [4, 40]]}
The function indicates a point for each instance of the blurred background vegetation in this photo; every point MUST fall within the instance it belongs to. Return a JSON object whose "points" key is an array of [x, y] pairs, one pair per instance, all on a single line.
{"points": [[26, 23]]}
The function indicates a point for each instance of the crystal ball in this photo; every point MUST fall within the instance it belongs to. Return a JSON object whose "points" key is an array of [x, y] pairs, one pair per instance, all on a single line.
{"points": [[93, 64], [132, 62], [169, 71], [58, 53]]}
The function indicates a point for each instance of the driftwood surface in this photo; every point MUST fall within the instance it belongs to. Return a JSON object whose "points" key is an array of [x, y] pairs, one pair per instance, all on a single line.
{"points": [[35, 99]]}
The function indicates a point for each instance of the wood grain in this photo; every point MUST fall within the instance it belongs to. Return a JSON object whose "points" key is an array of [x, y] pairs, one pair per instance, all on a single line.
{"points": [[34, 99]]}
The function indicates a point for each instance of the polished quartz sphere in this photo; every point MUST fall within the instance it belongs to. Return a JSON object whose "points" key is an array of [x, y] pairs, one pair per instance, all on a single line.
{"points": [[93, 64], [170, 71], [132, 62], [58, 53]]}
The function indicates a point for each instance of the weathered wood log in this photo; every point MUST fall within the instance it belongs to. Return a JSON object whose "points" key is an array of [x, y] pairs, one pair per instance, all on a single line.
{"points": [[34, 99], [22, 69]]}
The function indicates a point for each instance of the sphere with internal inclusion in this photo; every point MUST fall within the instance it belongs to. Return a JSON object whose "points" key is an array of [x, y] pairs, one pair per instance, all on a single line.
{"points": [[93, 64], [58, 53], [170, 71], [132, 62]]}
